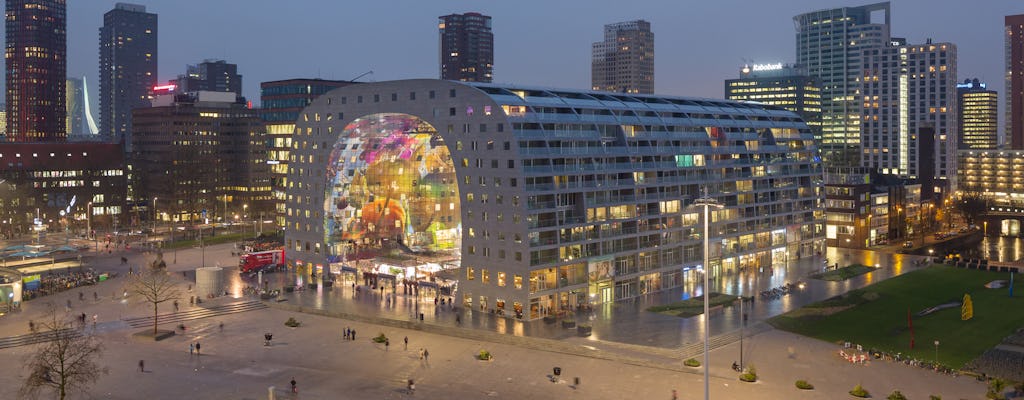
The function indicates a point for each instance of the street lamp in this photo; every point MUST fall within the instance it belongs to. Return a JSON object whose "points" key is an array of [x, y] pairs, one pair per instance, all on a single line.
{"points": [[706, 202], [154, 215], [245, 208], [88, 219], [936, 351]]}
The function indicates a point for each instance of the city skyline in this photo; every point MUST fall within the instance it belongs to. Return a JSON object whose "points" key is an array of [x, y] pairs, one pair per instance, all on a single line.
{"points": [[524, 55]]}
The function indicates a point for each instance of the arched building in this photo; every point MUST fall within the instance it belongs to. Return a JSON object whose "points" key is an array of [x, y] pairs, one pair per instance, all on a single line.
{"points": [[552, 198]]}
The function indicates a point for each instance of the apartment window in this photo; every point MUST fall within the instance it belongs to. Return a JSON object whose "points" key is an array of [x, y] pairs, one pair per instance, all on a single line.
{"points": [[485, 276], [517, 281], [470, 273], [451, 93], [431, 94], [412, 95], [451, 111], [376, 98], [501, 279], [394, 97]]}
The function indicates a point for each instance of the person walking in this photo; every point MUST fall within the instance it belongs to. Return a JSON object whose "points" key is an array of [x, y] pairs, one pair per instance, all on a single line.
{"points": [[198, 353], [191, 348], [406, 342], [675, 396], [175, 306], [352, 335], [387, 343], [421, 353], [426, 356], [295, 389], [142, 366], [95, 317]]}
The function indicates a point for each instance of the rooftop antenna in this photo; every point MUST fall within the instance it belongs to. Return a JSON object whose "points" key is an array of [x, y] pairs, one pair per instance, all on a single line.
{"points": [[370, 72]]}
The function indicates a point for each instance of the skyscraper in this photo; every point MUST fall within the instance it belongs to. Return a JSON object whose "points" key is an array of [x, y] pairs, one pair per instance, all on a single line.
{"points": [[624, 61], [128, 67], [36, 55], [979, 115], [1014, 137], [786, 86], [467, 47], [281, 102], [830, 44], [212, 76], [909, 92]]}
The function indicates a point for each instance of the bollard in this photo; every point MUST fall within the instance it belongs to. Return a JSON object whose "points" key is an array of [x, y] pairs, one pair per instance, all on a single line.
{"points": [[421, 316], [576, 381]]}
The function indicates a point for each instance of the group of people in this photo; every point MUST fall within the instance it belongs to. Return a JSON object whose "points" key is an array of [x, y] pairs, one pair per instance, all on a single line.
{"points": [[58, 282]]}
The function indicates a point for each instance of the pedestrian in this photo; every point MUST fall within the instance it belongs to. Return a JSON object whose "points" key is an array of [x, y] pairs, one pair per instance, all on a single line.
{"points": [[191, 300], [421, 353], [458, 319], [221, 326], [675, 396], [95, 317], [95, 297], [32, 326], [426, 355], [175, 306], [81, 296], [142, 366], [406, 342], [191, 348], [68, 308], [198, 353], [387, 343], [348, 332], [295, 389], [352, 335]]}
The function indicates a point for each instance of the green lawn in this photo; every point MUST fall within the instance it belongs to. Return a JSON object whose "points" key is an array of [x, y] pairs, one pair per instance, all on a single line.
{"points": [[876, 316], [208, 241], [844, 273], [694, 306]]}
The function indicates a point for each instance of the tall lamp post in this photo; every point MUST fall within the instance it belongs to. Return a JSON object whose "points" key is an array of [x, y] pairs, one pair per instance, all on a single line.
{"points": [[245, 208], [707, 203], [154, 215]]}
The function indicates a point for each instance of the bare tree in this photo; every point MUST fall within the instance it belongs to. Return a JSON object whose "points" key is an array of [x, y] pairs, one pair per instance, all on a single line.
{"points": [[972, 205], [66, 362], [156, 286]]}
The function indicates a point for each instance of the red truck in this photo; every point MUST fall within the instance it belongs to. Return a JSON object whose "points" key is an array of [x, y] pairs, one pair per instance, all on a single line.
{"points": [[261, 261]]}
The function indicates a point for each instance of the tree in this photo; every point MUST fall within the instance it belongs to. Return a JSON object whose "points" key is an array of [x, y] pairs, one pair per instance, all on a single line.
{"points": [[156, 286], [67, 362], [971, 206]]}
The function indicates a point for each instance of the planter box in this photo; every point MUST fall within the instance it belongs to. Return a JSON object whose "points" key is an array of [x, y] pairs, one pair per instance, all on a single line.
{"points": [[583, 330], [550, 319], [568, 324], [289, 289]]}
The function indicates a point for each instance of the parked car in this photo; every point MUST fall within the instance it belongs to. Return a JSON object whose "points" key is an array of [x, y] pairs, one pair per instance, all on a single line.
{"points": [[908, 244]]}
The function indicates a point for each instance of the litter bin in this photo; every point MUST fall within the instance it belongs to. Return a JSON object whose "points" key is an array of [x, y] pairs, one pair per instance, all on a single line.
{"points": [[558, 371]]}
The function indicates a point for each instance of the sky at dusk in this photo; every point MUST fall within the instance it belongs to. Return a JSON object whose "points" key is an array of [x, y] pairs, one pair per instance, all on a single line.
{"points": [[698, 44]]}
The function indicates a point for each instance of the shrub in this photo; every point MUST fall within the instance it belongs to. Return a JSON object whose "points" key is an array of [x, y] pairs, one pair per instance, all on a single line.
{"points": [[934, 397], [996, 387], [896, 395], [803, 385], [749, 375], [691, 362], [380, 338], [858, 391], [291, 322], [484, 355]]}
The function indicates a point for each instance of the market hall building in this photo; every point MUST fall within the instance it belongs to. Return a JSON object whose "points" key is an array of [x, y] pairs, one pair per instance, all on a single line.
{"points": [[550, 198]]}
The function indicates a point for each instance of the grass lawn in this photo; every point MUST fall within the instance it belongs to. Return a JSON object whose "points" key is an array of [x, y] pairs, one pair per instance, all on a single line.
{"points": [[844, 273], [209, 241], [876, 316], [694, 306]]}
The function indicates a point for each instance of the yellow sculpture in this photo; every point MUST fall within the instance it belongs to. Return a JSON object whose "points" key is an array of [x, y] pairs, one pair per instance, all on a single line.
{"points": [[967, 309]]}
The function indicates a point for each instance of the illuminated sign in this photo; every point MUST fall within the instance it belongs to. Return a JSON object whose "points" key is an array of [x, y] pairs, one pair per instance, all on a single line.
{"points": [[767, 67], [169, 88]]}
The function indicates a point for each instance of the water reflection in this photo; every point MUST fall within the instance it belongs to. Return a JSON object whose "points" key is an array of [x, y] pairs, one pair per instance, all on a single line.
{"points": [[1003, 249]]}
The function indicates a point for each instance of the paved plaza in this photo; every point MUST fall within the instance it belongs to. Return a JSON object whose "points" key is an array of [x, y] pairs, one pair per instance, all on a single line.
{"points": [[632, 354]]}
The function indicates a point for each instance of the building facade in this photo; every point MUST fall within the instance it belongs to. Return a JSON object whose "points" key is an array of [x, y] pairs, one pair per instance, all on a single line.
{"points": [[785, 86], [830, 44], [998, 176], [467, 47], [864, 208], [36, 57], [203, 156], [128, 67], [1014, 137], [549, 198], [979, 115], [909, 91], [624, 61], [63, 185], [281, 102], [210, 76]]}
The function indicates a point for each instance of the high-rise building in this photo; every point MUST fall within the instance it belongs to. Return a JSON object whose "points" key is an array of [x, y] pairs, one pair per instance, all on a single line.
{"points": [[624, 61], [786, 86], [830, 45], [909, 91], [979, 115], [1014, 137], [210, 76], [36, 55], [281, 102], [467, 47], [79, 114], [200, 153], [544, 210], [128, 67]]}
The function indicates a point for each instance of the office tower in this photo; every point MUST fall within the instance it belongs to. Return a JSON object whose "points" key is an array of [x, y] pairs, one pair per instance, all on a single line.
{"points": [[281, 102], [128, 67], [581, 209], [36, 55], [202, 154], [467, 47], [1014, 136], [79, 112], [830, 45], [979, 115], [211, 76], [786, 86], [909, 91], [624, 61]]}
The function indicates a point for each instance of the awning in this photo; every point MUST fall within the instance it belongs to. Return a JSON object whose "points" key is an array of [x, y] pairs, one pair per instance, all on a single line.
{"points": [[426, 284], [346, 268]]}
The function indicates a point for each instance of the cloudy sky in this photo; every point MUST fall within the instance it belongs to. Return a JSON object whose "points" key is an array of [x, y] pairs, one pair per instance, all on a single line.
{"points": [[698, 44]]}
